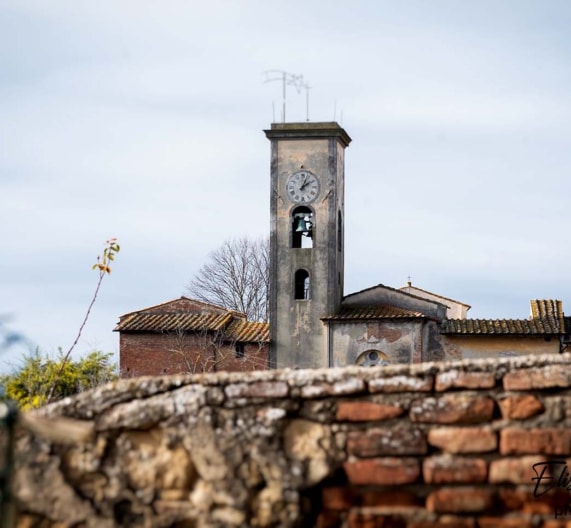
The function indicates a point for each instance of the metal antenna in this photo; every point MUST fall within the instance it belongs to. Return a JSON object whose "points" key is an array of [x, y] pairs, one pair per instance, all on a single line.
{"points": [[287, 79], [307, 88]]}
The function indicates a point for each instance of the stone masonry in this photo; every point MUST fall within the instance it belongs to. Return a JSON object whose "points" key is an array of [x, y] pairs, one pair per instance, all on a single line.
{"points": [[423, 446]]}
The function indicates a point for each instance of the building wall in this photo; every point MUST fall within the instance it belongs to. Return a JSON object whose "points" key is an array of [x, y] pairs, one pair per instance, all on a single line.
{"points": [[454, 309], [399, 341], [471, 444], [492, 347], [151, 354]]}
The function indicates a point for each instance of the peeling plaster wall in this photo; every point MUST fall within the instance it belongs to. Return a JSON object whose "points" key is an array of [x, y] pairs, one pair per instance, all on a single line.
{"points": [[407, 446], [401, 341]]}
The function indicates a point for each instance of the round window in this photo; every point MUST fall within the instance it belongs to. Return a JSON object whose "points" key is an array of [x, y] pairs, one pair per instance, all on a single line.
{"points": [[372, 358]]}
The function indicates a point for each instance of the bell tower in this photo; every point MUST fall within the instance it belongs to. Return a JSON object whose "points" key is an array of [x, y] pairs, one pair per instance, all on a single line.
{"points": [[306, 239]]}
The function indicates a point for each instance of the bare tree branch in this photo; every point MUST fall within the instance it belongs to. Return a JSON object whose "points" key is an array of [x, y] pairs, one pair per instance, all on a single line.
{"points": [[236, 277]]}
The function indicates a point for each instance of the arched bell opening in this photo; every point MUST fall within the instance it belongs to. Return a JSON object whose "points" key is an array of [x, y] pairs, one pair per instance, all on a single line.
{"points": [[302, 227], [302, 285]]}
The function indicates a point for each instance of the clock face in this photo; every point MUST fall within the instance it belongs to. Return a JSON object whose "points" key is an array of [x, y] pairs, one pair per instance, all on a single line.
{"points": [[302, 187]]}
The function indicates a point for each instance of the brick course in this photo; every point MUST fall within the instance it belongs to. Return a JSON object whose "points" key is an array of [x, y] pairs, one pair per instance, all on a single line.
{"points": [[470, 444]]}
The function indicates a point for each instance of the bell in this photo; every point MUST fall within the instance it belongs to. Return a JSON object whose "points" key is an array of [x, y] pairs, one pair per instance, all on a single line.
{"points": [[301, 225]]}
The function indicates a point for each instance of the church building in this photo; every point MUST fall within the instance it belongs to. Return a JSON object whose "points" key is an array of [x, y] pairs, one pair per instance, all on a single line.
{"points": [[312, 323]]}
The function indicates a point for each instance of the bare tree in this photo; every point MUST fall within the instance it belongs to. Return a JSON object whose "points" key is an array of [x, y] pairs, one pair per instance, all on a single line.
{"points": [[236, 276]]}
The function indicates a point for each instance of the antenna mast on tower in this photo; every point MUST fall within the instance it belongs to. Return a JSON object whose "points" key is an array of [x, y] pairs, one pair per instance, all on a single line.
{"points": [[288, 79]]}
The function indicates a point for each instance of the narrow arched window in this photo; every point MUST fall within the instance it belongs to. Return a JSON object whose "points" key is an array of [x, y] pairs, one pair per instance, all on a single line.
{"points": [[302, 285], [302, 227], [339, 231]]}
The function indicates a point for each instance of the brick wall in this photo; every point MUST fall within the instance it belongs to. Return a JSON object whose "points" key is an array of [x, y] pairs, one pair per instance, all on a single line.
{"points": [[411, 446], [148, 354]]}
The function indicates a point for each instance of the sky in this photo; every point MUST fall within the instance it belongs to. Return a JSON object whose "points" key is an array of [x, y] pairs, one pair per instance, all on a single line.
{"points": [[144, 120]]}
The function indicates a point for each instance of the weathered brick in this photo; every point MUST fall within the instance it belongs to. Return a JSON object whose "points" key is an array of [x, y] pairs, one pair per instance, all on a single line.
{"points": [[328, 519], [444, 521], [537, 378], [382, 471], [447, 469], [460, 500], [390, 499], [520, 407], [463, 439], [535, 441], [452, 408], [321, 389], [459, 379], [338, 498], [360, 519], [366, 411], [505, 522], [513, 500], [557, 523], [260, 389], [402, 384], [514, 470], [374, 442]]}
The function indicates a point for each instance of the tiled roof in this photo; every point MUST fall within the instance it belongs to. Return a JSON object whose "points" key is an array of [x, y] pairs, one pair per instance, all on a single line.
{"points": [[248, 332], [499, 327], [380, 311], [548, 310], [546, 319], [168, 322], [231, 325]]}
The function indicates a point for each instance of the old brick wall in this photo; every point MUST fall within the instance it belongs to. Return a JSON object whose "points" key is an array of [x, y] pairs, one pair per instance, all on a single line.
{"points": [[411, 446], [146, 353]]}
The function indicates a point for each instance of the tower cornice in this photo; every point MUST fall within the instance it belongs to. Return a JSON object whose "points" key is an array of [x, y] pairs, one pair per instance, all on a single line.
{"points": [[308, 130]]}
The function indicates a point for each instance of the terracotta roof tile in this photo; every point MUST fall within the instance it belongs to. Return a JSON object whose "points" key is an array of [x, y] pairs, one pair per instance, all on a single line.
{"points": [[168, 322], [380, 311], [546, 319], [248, 332], [548, 310], [499, 327]]}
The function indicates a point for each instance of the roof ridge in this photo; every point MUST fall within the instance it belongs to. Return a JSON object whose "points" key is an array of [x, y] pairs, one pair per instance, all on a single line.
{"points": [[435, 294]]}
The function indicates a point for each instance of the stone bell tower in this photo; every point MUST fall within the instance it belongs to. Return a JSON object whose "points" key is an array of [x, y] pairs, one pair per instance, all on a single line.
{"points": [[306, 239]]}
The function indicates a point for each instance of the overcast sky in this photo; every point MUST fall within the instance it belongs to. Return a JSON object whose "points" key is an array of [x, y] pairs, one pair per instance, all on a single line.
{"points": [[143, 120]]}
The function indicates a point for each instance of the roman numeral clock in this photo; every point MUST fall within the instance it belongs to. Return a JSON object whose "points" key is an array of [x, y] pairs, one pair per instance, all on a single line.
{"points": [[302, 187]]}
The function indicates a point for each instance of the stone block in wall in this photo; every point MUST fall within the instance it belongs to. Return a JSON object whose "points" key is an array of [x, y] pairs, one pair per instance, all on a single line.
{"points": [[520, 407], [390, 499], [518, 470], [459, 379], [548, 441], [366, 411], [401, 383], [452, 409], [460, 500], [449, 469], [549, 376], [444, 521], [338, 498], [526, 501], [378, 441], [463, 439], [382, 471], [506, 522], [261, 389]]}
